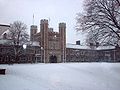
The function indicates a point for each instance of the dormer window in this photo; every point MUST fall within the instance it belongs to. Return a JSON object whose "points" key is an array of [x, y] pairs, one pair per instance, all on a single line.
{"points": [[5, 36]]}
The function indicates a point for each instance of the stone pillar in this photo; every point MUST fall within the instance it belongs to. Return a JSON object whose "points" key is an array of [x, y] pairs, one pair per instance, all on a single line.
{"points": [[44, 39], [33, 31], [62, 31]]}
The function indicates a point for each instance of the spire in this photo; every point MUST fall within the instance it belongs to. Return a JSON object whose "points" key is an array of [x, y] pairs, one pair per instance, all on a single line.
{"points": [[49, 19], [33, 19]]}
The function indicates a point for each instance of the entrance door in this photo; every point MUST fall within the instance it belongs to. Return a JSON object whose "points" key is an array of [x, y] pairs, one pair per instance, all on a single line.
{"points": [[53, 59]]}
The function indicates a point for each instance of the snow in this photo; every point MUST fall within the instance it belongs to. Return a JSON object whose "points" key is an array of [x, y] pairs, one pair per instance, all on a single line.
{"points": [[33, 43], [3, 29], [5, 41], [74, 46], [62, 76], [7, 32], [105, 47]]}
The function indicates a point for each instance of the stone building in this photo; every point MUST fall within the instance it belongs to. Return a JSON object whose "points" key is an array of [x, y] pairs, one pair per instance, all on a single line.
{"points": [[79, 53], [53, 44], [55, 50], [10, 53], [48, 46]]}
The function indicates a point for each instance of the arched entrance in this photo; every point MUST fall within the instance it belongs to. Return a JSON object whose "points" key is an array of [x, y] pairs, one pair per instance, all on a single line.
{"points": [[53, 59]]}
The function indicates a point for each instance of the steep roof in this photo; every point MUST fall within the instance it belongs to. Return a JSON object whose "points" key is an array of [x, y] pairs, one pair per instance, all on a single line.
{"points": [[5, 41], [4, 29]]}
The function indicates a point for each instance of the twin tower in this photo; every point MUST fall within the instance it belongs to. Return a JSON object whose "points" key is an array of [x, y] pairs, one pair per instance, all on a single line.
{"points": [[53, 44]]}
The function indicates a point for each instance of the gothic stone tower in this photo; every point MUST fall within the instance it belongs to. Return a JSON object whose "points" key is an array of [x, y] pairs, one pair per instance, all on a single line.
{"points": [[44, 39], [53, 43], [62, 32], [33, 31]]}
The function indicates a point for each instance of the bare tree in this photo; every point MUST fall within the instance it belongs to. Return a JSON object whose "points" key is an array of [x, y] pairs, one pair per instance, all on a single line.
{"points": [[19, 36], [102, 19], [18, 33]]}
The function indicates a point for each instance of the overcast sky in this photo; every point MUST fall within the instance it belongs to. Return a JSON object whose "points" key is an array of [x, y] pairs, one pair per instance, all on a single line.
{"points": [[57, 10]]}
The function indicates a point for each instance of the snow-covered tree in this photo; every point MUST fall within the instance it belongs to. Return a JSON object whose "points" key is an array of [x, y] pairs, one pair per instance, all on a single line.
{"points": [[19, 36], [18, 33], [101, 19]]}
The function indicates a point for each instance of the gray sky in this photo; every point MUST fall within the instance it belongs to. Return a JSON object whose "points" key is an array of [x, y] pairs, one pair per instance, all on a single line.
{"points": [[57, 10]]}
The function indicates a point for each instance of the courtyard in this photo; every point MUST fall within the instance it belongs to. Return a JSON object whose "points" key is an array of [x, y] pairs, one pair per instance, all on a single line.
{"points": [[61, 76]]}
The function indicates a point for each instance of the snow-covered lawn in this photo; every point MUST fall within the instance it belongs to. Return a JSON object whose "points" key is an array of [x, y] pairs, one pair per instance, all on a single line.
{"points": [[63, 76]]}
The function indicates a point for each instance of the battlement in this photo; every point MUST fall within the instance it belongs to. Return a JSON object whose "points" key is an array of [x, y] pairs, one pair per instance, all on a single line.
{"points": [[43, 21], [62, 24], [51, 29], [33, 27]]}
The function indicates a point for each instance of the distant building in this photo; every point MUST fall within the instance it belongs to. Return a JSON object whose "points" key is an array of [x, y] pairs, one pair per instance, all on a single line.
{"points": [[10, 53], [79, 53]]}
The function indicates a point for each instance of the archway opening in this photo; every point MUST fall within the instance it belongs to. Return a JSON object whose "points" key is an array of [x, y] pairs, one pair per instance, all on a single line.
{"points": [[53, 59]]}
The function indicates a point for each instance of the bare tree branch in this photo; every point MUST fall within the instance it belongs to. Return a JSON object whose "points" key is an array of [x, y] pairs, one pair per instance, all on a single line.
{"points": [[18, 33], [101, 18], [19, 36]]}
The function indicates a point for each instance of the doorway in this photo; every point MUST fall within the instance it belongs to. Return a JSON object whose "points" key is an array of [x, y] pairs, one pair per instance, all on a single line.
{"points": [[53, 59]]}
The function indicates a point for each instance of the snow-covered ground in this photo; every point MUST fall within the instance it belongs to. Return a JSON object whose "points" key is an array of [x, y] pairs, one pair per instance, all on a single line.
{"points": [[63, 76]]}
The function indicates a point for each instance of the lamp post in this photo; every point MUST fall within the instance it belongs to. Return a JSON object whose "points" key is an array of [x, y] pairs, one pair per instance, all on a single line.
{"points": [[24, 47], [114, 55], [42, 49], [41, 53]]}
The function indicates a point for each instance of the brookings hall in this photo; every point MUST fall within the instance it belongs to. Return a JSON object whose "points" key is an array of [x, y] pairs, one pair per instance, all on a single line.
{"points": [[48, 46]]}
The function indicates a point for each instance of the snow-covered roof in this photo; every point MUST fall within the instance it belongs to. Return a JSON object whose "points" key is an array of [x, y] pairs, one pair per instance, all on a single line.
{"points": [[74, 46], [5, 24], [94, 76], [33, 43], [7, 32], [4, 29], [5, 41], [105, 47], [68, 45]]}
